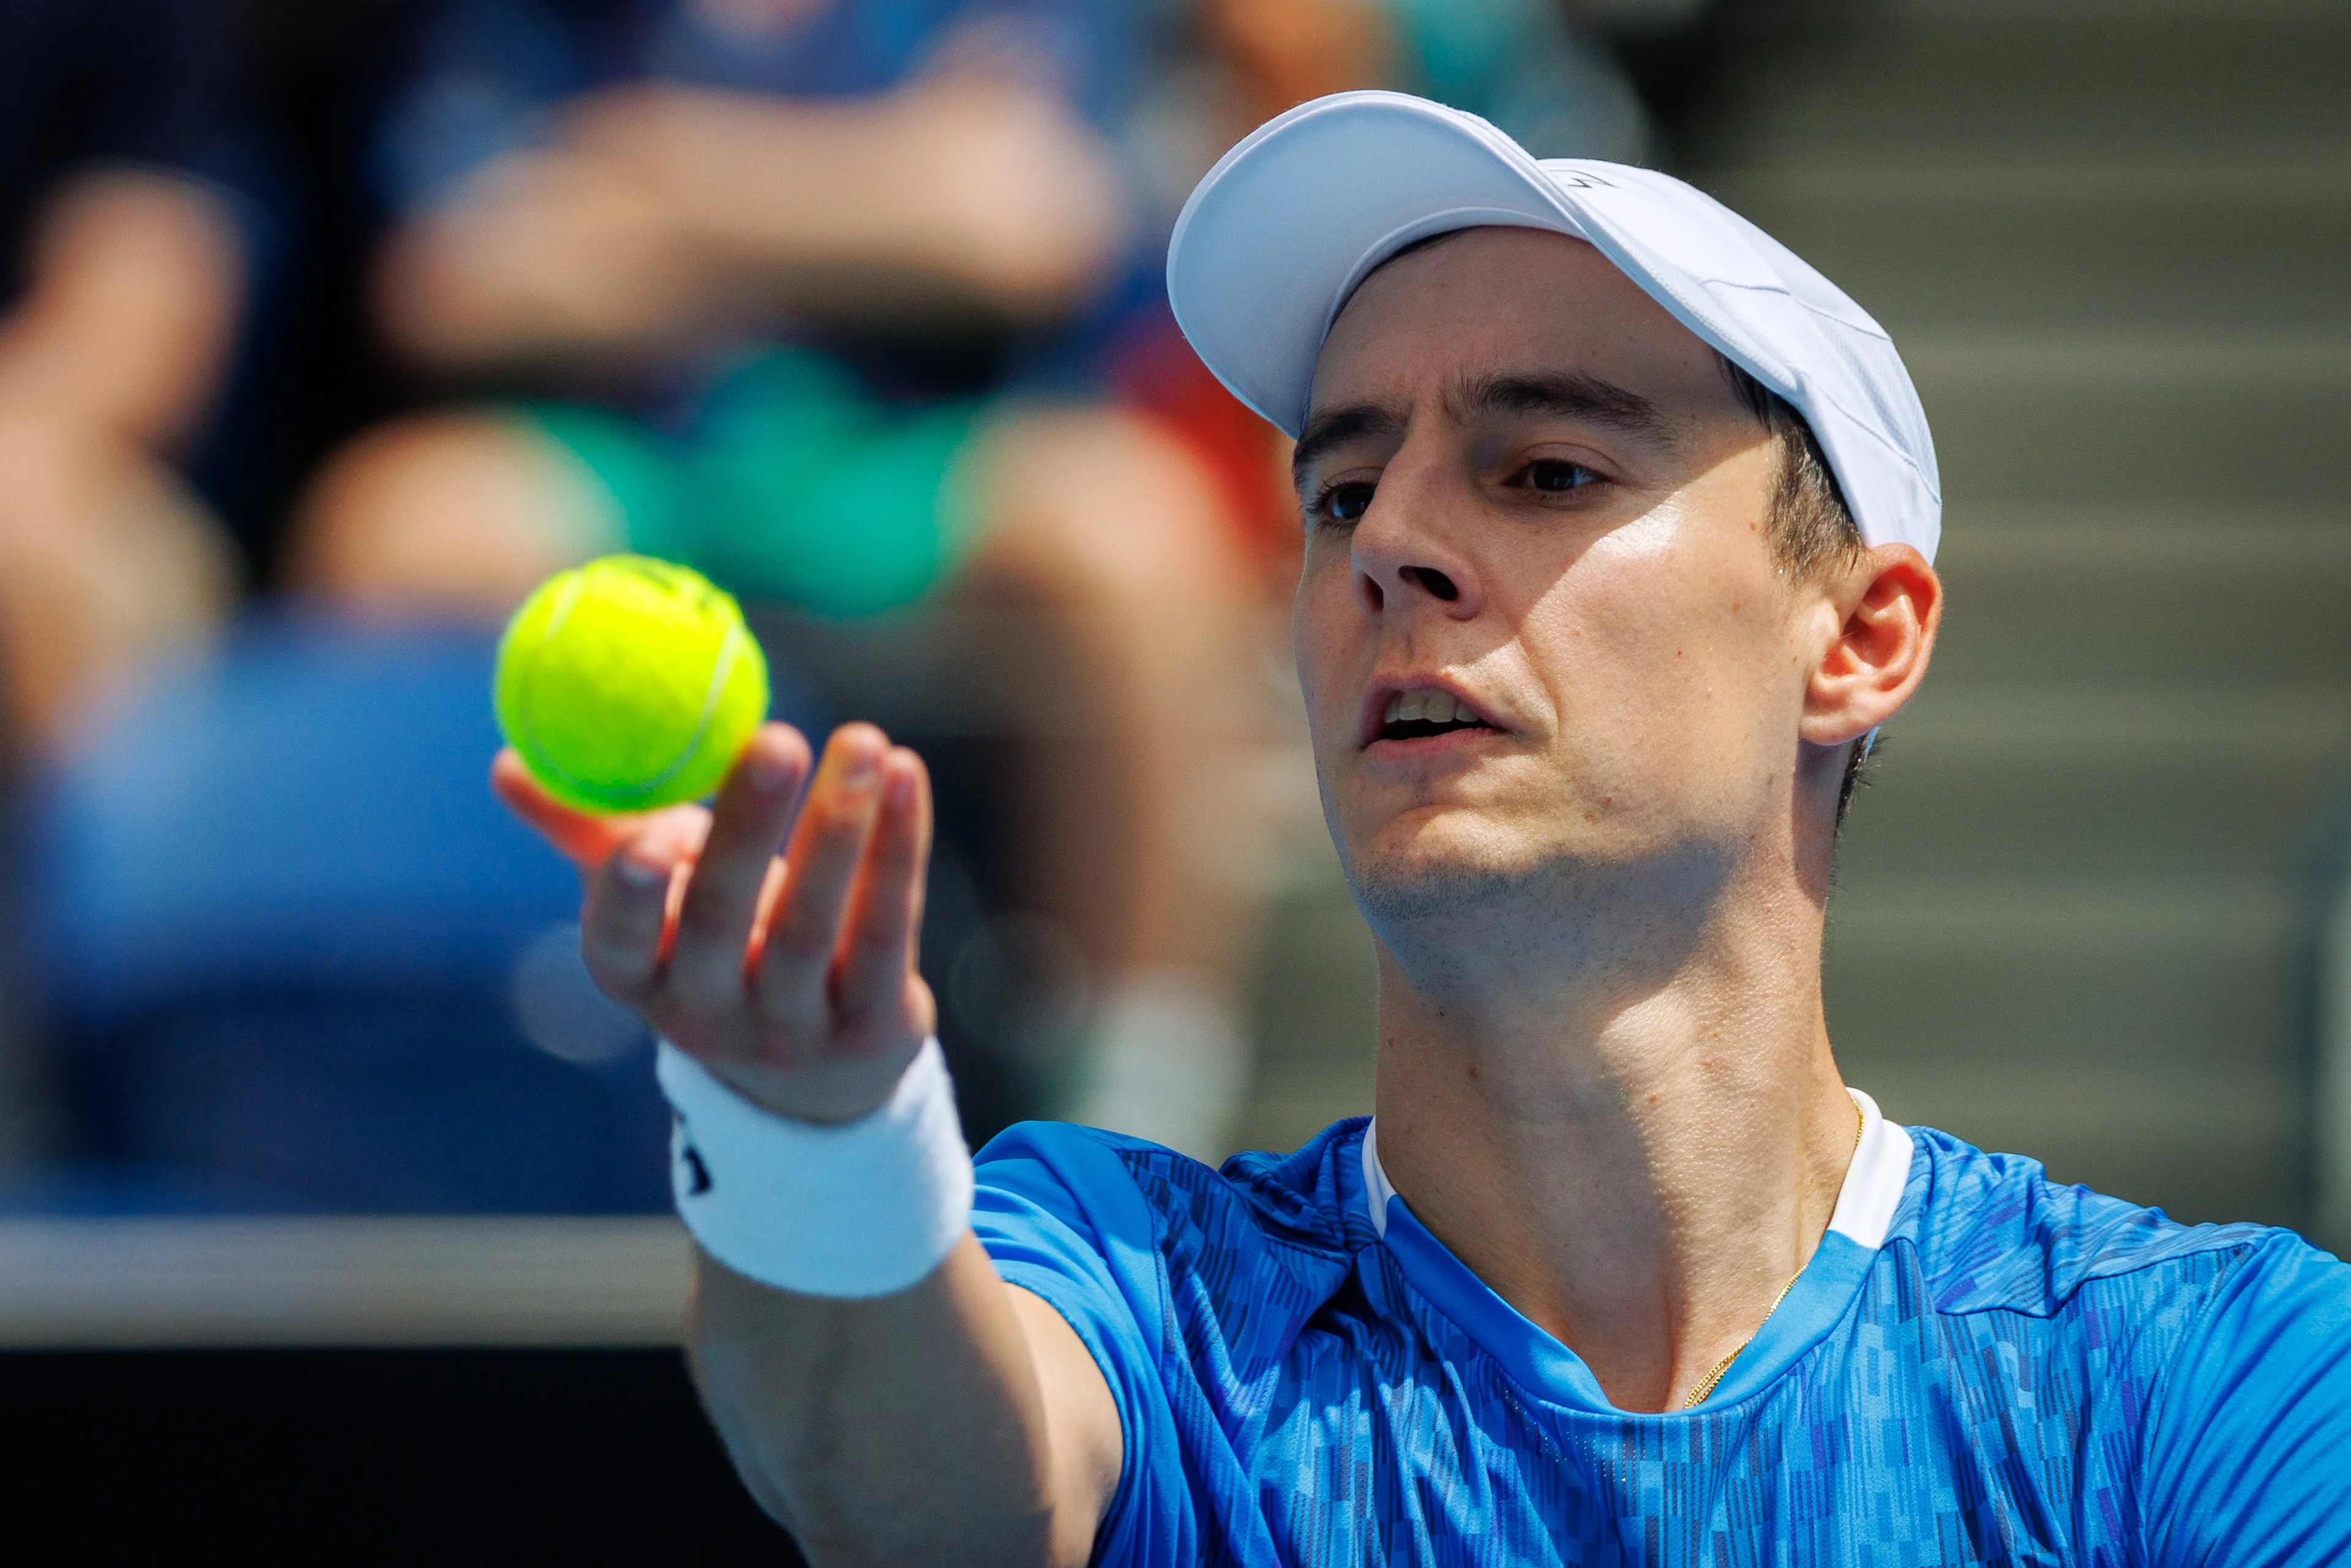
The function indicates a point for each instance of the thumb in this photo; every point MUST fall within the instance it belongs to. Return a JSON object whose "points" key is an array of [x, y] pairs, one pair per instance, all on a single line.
{"points": [[585, 838]]}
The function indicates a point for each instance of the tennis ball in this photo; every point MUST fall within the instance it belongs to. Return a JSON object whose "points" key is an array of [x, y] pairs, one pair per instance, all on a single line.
{"points": [[628, 683]]}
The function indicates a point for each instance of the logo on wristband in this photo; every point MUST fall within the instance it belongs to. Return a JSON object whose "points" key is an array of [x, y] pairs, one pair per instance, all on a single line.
{"points": [[698, 1180]]}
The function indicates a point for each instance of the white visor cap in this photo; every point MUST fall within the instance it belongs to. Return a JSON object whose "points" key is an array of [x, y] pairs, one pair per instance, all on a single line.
{"points": [[1279, 232]]}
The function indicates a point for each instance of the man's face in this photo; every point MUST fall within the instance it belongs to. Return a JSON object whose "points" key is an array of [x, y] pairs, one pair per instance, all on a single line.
{"points": [[1539, 629]]}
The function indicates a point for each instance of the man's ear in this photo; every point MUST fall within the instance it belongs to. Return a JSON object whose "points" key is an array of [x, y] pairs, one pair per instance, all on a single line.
{"points": [[1887, 606]]}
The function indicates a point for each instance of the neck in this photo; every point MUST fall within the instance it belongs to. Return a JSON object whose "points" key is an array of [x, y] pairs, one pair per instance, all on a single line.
{"points": [[1635, 1152]]}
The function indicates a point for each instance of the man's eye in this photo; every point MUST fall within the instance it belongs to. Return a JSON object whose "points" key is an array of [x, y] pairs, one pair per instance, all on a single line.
{"points": [[1348, 502], [1557, 475]]}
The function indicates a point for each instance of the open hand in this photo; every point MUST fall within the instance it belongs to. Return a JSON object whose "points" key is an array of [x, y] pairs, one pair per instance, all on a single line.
{"points": [[791, 977]]}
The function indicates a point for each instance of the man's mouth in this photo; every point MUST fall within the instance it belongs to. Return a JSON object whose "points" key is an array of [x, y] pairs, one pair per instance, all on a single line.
{"points": [[1418, 714]]}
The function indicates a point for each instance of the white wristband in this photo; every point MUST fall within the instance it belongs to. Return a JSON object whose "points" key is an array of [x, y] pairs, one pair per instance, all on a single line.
{"points": [[861, 1210]]}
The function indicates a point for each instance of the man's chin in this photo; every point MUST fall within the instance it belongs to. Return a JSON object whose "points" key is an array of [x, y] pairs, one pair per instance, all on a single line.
{"points": [[1449, 864], [1424, 880]]}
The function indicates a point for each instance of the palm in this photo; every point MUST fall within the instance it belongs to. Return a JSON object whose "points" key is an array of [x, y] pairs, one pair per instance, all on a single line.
{"points": [[792, 976]]}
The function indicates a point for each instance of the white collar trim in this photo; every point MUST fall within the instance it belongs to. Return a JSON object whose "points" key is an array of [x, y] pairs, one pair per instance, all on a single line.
{"points": [[1874, 1182], [1865, 1205], [1376, 1190]]}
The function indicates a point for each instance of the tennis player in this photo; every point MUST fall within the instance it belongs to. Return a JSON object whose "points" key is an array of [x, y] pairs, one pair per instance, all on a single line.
{"points": [[1619, 522]]}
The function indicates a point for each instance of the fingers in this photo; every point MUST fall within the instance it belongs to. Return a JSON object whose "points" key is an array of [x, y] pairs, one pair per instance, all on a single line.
{"points": [[878, 953], [633, 902], [678, 912], [621, 927], [753, 812], [636, 887], [827, 846]]}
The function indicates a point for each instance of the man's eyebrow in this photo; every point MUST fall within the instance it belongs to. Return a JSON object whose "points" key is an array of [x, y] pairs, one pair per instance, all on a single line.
{"points": [[1335, 426], [1565, 393]]}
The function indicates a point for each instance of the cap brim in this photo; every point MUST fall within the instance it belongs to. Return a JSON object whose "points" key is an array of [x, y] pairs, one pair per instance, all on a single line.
{"points": [[1279, 232]]}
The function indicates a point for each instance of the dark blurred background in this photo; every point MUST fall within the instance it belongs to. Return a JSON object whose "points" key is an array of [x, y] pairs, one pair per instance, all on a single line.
{"points": [[332, 1203]]}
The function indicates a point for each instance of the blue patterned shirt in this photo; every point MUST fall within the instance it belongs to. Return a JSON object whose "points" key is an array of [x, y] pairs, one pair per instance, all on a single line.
{"points": [[1978, 1365]]}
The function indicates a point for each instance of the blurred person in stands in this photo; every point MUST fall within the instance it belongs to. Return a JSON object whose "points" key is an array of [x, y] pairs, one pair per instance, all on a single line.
{"points": [[121, 276], [810, 294], [1232, 65], [1516, 63]]}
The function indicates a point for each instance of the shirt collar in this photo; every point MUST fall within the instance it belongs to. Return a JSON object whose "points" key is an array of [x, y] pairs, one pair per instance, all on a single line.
{"points": [[1866, 1201]]}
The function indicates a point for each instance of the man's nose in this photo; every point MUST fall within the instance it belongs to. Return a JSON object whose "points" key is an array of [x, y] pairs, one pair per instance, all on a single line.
{"points": [[1404, 557]]}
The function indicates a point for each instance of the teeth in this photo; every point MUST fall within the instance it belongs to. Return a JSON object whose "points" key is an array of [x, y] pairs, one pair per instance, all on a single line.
{"points": [[1425, 707]]}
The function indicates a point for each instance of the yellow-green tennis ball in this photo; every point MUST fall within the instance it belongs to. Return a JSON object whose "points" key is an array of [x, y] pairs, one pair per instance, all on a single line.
{"points": [[629, 683]]}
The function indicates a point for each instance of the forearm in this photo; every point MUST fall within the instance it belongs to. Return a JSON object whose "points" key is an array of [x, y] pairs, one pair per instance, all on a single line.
{"points": [[542, 261], [905, 1430], [127, 325], [954, 193], [670, 213], [955, 1420]]}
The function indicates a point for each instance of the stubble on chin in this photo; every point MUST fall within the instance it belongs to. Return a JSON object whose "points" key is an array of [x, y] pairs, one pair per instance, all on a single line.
{"points": [[1431, 881]]}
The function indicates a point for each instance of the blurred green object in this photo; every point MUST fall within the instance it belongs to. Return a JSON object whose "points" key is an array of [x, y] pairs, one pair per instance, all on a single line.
{"points": [[795, 483], [629, 683], [1520, 64]]}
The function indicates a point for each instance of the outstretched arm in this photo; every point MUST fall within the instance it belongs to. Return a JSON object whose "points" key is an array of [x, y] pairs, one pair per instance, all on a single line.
{"points": [[957, 1421], [132, 309]]}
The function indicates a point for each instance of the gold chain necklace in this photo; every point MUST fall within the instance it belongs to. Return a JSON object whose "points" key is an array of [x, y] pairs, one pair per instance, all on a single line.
{"points": [[1706, 1385]]}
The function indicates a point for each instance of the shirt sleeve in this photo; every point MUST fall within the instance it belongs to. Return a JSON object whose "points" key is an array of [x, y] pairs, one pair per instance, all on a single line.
{"points": [[1061, 1217], [2249, 1457]]}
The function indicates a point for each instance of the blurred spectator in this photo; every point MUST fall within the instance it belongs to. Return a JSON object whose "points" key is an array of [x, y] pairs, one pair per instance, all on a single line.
{"points": [[821, 296], [294, 956], [799, 291], [1516, 62], [121, 280], [1232, 65]]}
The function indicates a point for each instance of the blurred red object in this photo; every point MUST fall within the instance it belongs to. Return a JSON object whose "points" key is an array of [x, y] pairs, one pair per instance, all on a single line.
{"points": [[1156, 374]]}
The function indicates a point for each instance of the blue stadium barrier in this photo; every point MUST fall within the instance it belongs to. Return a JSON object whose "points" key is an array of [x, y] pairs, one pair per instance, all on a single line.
{"points": [[294, 952]]}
